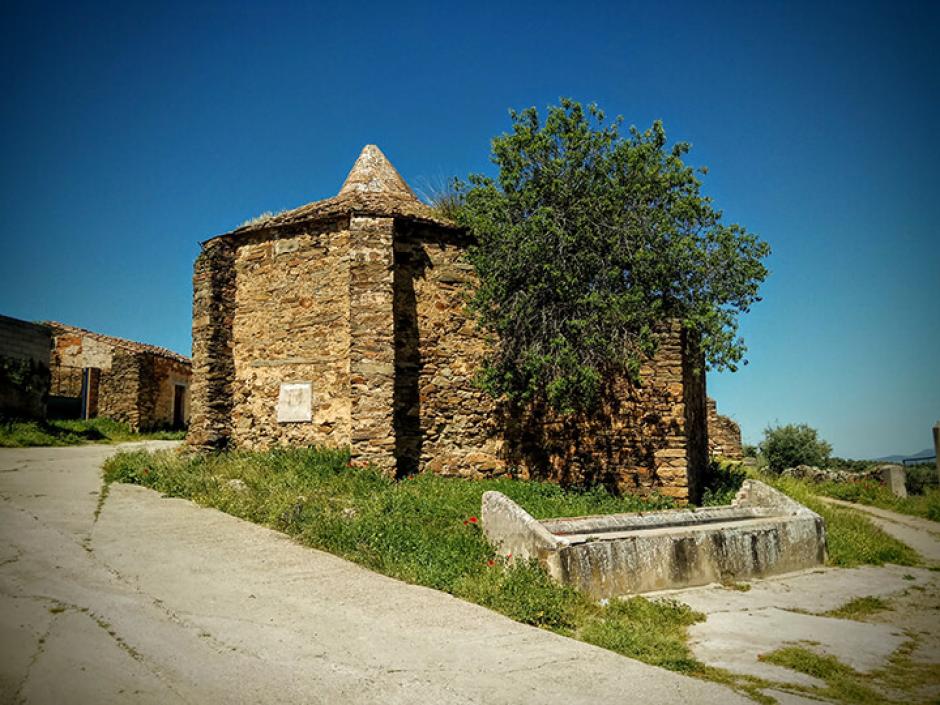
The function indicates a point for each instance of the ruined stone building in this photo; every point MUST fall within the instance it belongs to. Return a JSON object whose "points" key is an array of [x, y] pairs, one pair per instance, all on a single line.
{"points": [[724, 434], [95, 375], [343, 322]]}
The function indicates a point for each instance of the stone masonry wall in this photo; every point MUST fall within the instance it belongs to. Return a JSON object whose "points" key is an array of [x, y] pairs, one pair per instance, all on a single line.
{"points": [[118, 389], [643, 439], [372, 342], [724, 435], [445, 424], [696, 414], [71, 353], [291, 324], [157, 390], [24, 368], [210, 422]]}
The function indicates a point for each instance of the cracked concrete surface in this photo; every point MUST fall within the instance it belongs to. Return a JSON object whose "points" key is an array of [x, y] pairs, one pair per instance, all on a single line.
{"points": [[784, 610], [160, 601]]}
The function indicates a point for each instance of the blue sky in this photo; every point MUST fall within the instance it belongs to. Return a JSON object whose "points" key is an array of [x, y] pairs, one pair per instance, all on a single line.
{"points": [[131, 132]]}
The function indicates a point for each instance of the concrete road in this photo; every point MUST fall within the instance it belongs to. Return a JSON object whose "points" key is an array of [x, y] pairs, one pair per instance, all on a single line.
{"points": [[160, 601]]}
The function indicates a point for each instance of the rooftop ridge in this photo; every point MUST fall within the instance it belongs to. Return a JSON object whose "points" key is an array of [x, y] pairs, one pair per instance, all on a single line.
{"points": [[130, 345]]}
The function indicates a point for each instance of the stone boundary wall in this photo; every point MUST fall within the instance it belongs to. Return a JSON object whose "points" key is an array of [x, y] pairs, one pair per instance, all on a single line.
{"points": [[646, 438], [25, 350], [22, 340], [724, 435]]}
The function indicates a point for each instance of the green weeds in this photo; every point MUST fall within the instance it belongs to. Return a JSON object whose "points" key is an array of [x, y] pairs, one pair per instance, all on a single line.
{"points": [[21, 434], [859, 608]]}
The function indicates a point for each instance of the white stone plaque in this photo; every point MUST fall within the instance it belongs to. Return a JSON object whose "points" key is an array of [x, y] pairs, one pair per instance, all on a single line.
{"points": [[294, 402]]}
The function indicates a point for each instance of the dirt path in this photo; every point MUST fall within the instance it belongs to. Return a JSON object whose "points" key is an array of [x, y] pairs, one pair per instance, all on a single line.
{"points": [[922, 535]]}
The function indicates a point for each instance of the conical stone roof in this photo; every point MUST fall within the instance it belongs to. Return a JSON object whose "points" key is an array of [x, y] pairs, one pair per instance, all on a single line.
{"points": [[373, 173], [373, 187]]}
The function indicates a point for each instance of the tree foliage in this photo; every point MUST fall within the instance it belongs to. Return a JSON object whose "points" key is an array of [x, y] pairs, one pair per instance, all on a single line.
{"points": [[795, 444], [586, 241]]}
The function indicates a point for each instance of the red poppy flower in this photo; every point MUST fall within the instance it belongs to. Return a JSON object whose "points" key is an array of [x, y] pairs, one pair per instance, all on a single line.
{"points": [[472, 520], [491, 563]]}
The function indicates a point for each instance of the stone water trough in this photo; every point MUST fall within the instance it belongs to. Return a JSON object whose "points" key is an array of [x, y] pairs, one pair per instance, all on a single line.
{"points": [[762, 532]]}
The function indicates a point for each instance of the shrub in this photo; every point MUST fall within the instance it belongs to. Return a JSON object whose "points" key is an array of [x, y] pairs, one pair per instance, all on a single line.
{"points": [[920, 478], [795, 444], [722, 483], [586, 241], [852, 465]]}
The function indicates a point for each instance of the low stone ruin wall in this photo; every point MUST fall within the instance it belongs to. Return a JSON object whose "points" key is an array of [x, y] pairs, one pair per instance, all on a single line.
{"points": [[894, 477], [724, 434], [763, 532]]}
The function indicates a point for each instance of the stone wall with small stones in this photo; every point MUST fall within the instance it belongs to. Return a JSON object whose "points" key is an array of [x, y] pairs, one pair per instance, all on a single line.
{"points": [[724, 435], [25, 351], [290, 324], [643, 438], [159, 377], [118, 389], [372, 342], [445, 423]]}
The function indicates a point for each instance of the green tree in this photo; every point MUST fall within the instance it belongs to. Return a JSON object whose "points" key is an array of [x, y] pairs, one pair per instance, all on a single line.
{"points": [[795, 444], [586, 242]]}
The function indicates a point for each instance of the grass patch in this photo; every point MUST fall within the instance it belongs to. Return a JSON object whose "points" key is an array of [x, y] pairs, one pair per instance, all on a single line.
{"points": [[859, 608], [22, 434], [843, 684], [874, 494], [904, 680]]}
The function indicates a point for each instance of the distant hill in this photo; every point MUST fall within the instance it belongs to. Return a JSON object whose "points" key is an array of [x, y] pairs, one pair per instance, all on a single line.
{"points": [[926, 453]]}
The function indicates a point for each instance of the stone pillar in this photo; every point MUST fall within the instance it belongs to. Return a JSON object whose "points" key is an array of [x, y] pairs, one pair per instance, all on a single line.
{"points": [[696, 415], [895, 478], [213, 363], [372, 341], [678, 372]]}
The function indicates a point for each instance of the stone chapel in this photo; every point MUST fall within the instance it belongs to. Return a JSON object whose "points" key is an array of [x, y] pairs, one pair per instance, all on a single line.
{"points": [[343, 322]]}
